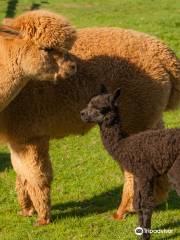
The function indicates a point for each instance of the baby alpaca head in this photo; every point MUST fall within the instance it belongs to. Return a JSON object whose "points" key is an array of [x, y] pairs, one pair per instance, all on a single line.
{"points": [[102, 107]]}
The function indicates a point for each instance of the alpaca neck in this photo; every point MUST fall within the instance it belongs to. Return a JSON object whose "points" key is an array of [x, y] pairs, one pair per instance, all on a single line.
{"points": [[112, 134]]}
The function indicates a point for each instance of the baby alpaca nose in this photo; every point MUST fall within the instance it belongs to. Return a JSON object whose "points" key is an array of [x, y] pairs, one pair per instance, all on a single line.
{"points": [[82, 113]]}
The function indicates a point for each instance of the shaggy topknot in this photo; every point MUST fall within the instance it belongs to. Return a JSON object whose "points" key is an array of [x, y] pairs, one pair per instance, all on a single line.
{"points": [[57, 31]]}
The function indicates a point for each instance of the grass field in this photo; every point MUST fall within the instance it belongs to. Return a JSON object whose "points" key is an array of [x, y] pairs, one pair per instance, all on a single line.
{"points": [[87, 183]]}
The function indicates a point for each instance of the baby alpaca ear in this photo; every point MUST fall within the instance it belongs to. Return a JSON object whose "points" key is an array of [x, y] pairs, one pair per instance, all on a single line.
{"points": [[115, 96], [103, 89]]}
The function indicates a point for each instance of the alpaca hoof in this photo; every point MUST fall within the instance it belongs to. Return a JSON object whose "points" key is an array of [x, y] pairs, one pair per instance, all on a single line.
{"points": [[27, 212], [117, 216], [145, 237], [42, 222]]}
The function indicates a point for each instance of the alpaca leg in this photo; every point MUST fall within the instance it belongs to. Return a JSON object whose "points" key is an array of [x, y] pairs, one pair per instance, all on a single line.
{"points": [[144, 203], [23, 197], [145, 222], [147, 215], [34, 166], [40, 197], [126, 204], [27, 208]]}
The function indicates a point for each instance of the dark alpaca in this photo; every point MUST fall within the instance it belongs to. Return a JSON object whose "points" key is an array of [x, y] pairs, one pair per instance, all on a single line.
{"points": [[147, 155]]}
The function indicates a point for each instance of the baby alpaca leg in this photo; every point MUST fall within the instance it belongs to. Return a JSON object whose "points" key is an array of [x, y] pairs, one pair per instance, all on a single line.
{"points": [[35, 167], [144, 203]]}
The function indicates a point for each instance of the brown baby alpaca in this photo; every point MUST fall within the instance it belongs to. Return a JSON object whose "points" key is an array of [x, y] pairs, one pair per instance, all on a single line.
{"points": [[145, 68], [147, 155]]}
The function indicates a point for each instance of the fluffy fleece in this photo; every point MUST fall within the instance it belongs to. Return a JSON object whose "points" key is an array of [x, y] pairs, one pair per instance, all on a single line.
{"points": [[20, 60], [145, 68], [147, 155], [57, 31]]}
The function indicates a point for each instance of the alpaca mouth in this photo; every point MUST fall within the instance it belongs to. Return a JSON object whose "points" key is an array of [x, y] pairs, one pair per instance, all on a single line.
{"points": [[65, 73], [59, 76]]}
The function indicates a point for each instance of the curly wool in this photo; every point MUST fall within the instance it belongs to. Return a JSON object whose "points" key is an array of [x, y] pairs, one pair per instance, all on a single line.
{"points": [[150, 153], [57, 31], [147, 155]]}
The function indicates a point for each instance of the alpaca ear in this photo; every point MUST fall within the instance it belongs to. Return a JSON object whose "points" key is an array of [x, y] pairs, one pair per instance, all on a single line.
{"points": [[103, 89], [7, 21], [115, 96], [9, 32]]}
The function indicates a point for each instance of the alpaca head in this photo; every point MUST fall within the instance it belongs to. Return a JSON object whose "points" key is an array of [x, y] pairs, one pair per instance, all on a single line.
{"points": [[23, 55], [102, 107], [47, 63]]}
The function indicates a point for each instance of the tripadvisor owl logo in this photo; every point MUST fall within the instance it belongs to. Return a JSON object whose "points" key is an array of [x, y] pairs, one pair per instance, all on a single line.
{"points": [[139, 231]]}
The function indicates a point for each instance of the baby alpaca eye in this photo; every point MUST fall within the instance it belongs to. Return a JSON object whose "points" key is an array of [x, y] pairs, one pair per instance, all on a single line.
{"points": [[105, 110]]}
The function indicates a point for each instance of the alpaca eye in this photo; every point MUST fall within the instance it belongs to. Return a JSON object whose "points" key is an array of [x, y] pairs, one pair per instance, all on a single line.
{"points": [[46, 49], [66, 57]]}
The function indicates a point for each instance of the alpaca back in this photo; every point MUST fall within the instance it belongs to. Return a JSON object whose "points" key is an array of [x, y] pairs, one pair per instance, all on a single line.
{"points": [[109, 54]]}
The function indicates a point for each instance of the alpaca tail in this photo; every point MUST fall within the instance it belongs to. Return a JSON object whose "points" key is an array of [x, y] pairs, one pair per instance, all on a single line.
{"points": [[174, 176], [173, 68]]}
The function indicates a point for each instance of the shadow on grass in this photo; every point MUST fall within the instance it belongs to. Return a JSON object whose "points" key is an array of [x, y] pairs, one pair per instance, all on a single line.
{"points": [[171, 226], [5, 162], [104, 202], [174, 236], [172, 203], [35, 6], [11, 8]]}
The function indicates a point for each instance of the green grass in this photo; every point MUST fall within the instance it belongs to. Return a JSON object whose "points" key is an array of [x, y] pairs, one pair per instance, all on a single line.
{"points": [[87, 182]]}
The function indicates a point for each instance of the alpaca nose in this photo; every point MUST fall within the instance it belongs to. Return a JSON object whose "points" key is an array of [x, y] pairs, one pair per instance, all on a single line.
{"points": [[73, 67]]}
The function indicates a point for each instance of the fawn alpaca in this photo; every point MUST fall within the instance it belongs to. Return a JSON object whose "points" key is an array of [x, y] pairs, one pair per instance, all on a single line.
{"points": [[23, 60], [147, 155]]}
